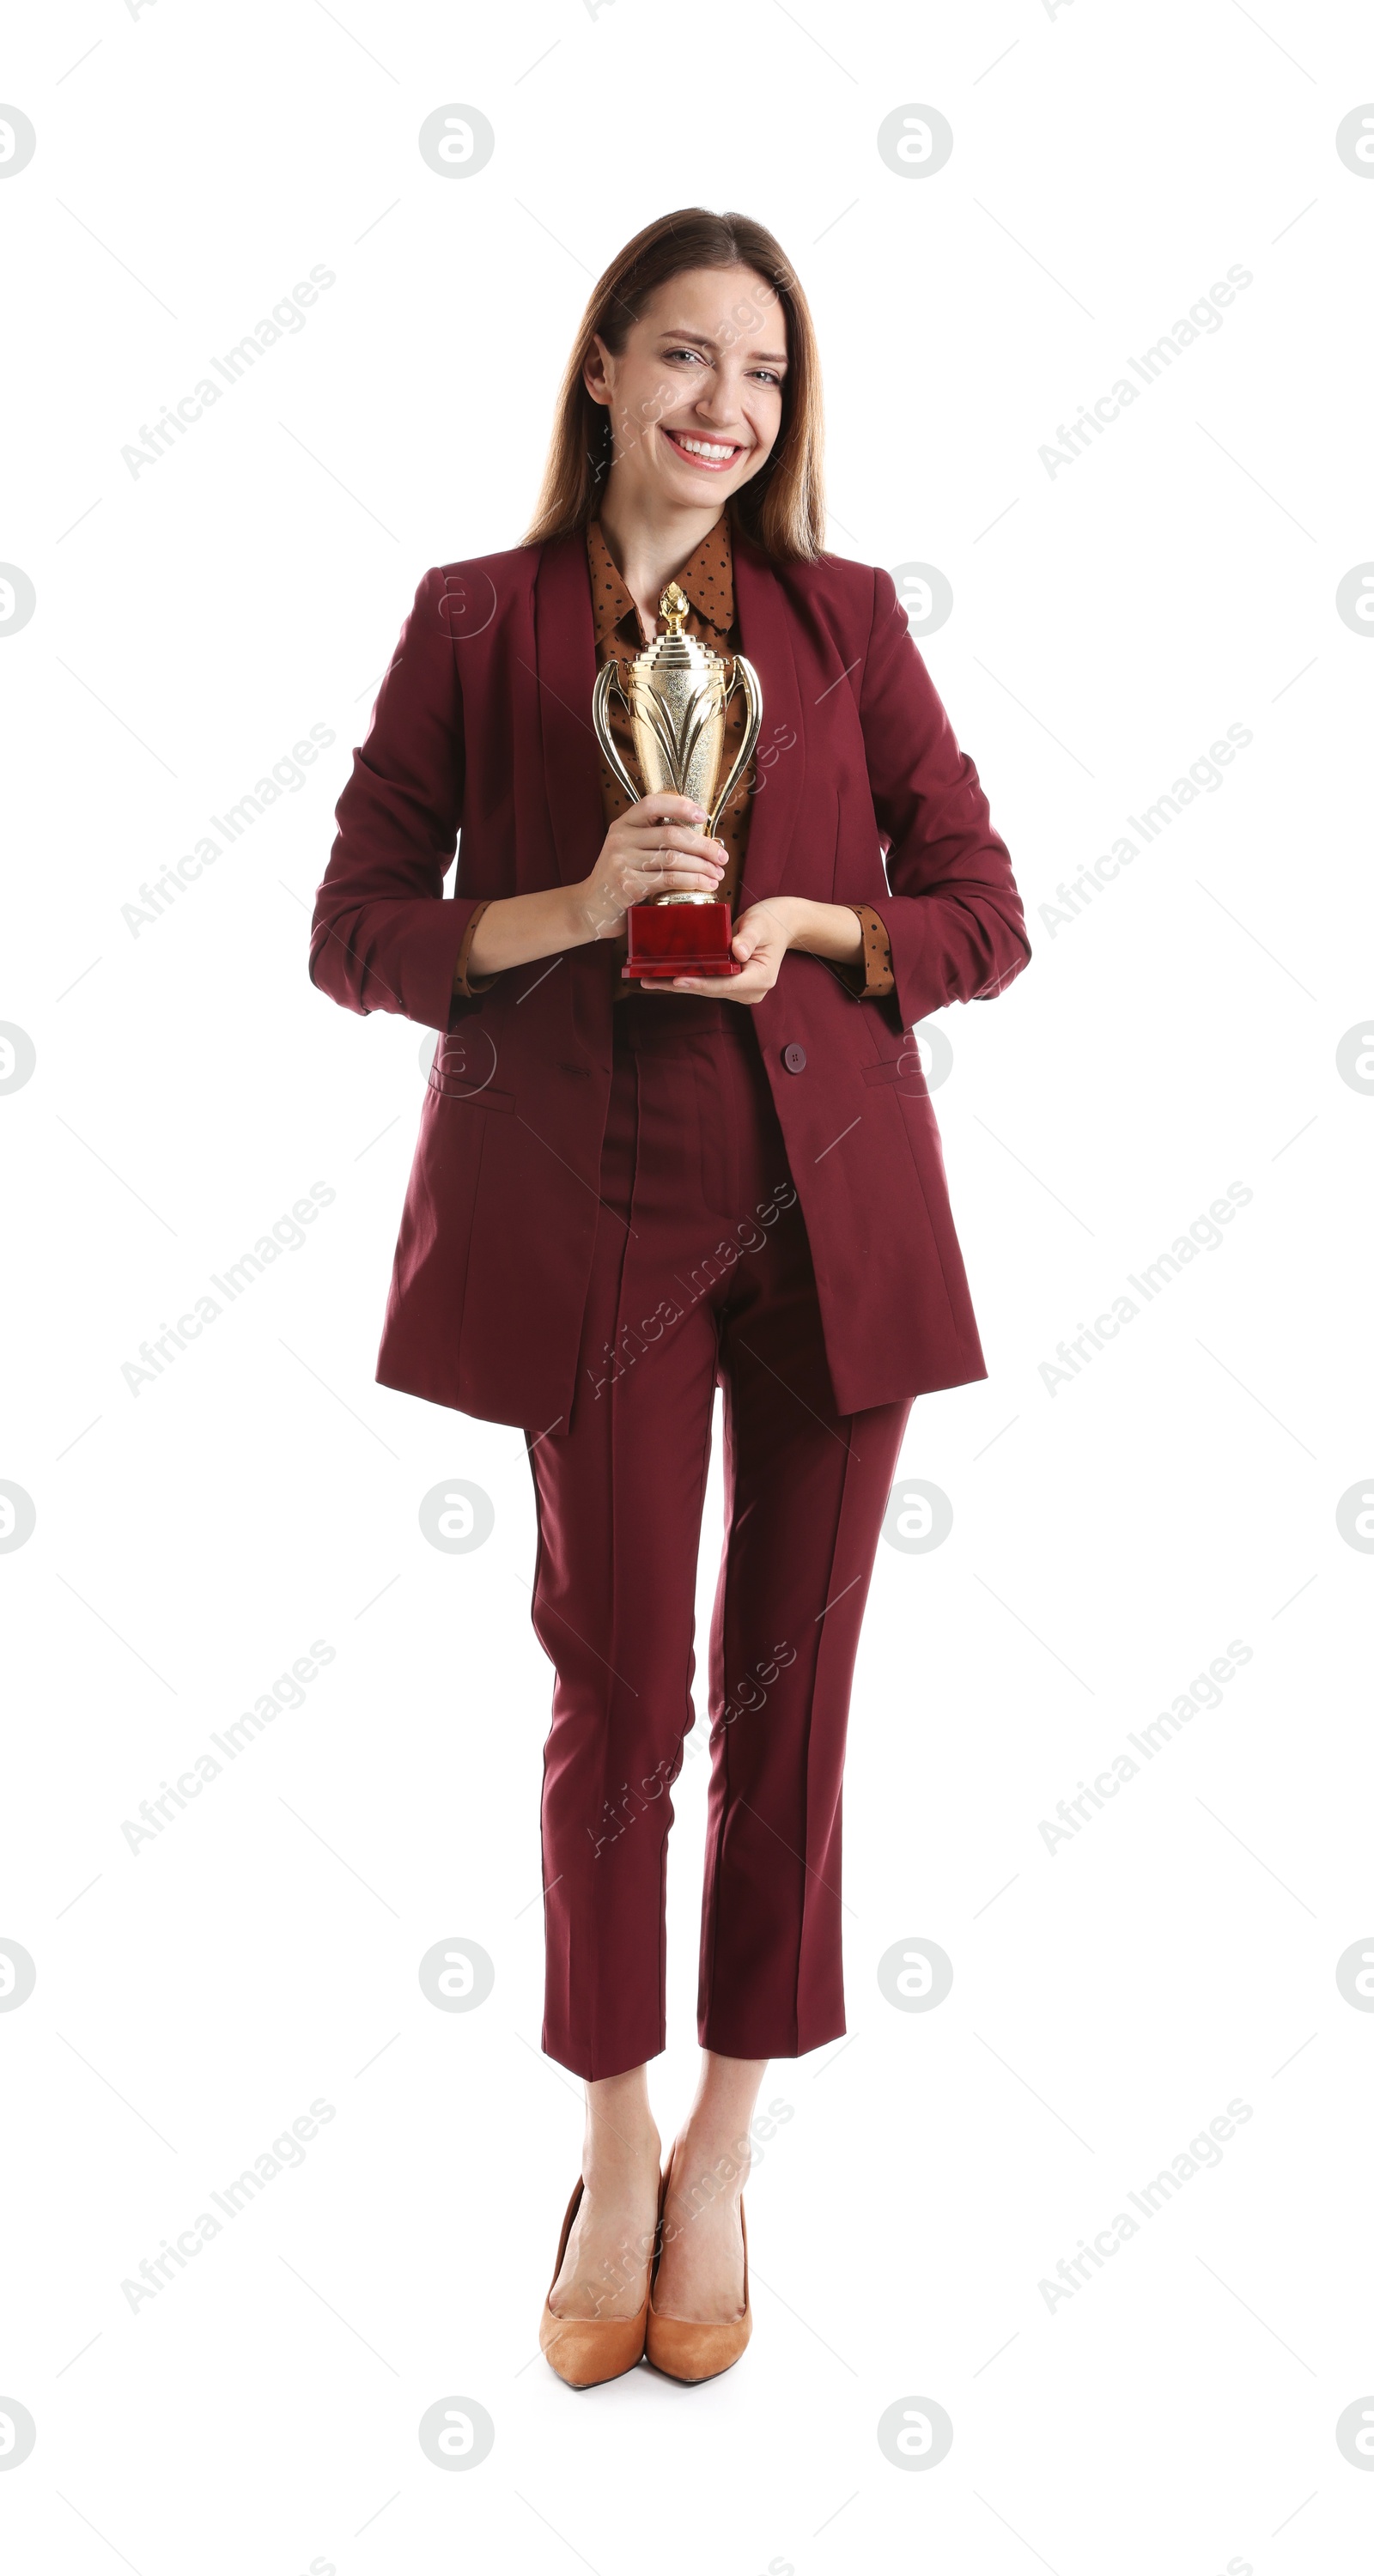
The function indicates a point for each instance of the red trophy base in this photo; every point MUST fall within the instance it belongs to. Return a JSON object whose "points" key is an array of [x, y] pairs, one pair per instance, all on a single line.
{"points": [[668, 939]]}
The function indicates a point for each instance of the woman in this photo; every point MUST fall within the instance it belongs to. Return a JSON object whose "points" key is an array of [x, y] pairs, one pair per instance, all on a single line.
{"points": [[624, 1194]]}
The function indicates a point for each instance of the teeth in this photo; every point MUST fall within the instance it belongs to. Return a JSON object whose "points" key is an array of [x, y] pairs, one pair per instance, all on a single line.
{"points": [[699, 447]]}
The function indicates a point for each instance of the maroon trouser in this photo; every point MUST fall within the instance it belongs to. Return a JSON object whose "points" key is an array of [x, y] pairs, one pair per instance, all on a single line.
{"points": [[701, 1275]]}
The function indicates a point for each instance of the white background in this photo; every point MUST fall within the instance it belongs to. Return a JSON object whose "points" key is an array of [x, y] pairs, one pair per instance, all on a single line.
{"points": [[1109, 1539]]}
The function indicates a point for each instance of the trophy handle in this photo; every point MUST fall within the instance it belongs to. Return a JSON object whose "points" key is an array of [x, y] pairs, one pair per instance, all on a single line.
{"points": [[608, 678], [745, 674]]}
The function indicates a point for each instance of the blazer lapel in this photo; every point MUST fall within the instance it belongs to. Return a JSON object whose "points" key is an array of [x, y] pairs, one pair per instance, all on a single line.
{"points": [[762, 612], [565, 672]]}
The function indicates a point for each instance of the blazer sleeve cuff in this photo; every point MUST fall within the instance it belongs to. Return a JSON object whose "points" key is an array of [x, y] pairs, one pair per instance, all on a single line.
{"points": [[943, 953]]}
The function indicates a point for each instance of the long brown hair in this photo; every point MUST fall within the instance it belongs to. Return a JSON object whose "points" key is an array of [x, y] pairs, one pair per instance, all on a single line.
{"points": [[782, 507]]}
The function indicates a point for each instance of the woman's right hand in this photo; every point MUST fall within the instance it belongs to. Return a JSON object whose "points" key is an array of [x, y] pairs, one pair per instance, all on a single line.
{"points": [[655, 848]]}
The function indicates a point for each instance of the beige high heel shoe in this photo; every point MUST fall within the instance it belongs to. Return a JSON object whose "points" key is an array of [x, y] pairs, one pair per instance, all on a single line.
{"points": [[586, 2351], [688, 2348]]}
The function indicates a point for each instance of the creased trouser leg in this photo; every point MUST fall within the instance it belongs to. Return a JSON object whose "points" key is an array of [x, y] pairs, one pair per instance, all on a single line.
{"points": [[689, 1280], [805, 1495]]}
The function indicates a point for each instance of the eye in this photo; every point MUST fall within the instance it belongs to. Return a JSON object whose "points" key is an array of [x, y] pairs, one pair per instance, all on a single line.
{"points": [[768, 375], [693, 354]]}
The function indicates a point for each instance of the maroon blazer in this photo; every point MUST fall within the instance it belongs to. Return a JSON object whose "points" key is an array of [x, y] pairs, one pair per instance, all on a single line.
{"points": [[483, 722]]}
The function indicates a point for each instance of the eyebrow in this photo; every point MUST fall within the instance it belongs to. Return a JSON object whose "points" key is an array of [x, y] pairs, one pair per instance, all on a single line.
{"points": [[696, 340]]}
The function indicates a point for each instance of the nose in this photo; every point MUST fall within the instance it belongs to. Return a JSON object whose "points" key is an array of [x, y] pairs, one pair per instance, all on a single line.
{"points": [[716, 407]]}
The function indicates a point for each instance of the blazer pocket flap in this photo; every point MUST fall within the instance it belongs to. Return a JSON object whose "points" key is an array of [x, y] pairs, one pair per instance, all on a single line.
{"points": [[460, 1086], [905, 1069]]}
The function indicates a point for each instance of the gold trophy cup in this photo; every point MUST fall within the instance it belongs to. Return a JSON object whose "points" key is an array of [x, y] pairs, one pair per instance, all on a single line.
{"points": [[676, 692]]}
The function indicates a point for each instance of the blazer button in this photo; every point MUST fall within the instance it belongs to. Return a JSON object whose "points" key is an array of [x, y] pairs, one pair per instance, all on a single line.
{"points": [[794, 1057]]}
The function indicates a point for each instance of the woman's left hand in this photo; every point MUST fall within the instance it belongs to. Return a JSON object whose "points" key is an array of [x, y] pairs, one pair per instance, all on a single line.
{"points": [[762, 937]]}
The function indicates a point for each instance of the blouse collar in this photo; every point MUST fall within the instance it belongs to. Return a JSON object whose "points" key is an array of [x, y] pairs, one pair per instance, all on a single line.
{"points": [[707, 577]]}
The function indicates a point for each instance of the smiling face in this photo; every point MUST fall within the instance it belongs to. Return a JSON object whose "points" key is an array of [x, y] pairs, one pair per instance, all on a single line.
{"points": [[695, 395]]}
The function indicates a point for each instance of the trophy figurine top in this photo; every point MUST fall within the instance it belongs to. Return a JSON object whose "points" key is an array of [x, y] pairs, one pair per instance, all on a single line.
{"points": [[676, 693]]}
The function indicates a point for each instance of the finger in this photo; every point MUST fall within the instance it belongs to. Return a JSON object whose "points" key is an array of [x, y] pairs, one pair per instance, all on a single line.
{"points": [[656, 874], [662, 808], [676, 880], [719, 988], [707, 987], [676, 836]]}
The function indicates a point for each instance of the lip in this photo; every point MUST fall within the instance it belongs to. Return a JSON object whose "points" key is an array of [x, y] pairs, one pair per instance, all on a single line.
{"points": [[707, 464]]}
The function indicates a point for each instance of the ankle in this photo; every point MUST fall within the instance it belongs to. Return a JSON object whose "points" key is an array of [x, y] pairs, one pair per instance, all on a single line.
{"points": [[710, 2163], [613, 2159]]}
